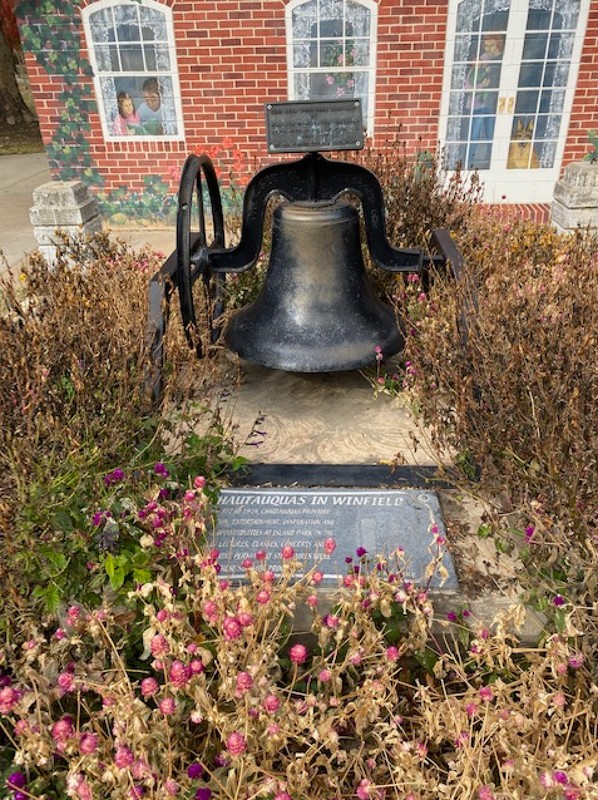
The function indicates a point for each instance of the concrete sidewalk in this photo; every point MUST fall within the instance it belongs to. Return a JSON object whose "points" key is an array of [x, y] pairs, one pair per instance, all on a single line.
{"points": [[19, 176]]}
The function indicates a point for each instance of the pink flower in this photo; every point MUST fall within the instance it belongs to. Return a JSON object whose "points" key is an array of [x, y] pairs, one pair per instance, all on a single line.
{"points": [[287, 552], [325, 676], [232, 628], [364, 789], [123, 757], [88, 743], [247, 563], [271, 703], [244, 683], [236, 744], [470, 709], [392, 653], [312, 600], [63, 729], [210, 610], [486, 694], [167, 706], [179, 674], [485, 793], [171, 787], [298, 653], [317, 577], [576, 660], [197, 666], [263, 597], [149, 687], [159, 645], [65, 681], [260, 555], [329, 546], [9, 697], [199, 482]]}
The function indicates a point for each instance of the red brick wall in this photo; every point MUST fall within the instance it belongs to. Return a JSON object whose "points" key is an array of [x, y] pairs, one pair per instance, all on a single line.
{"points": [[232, 58], [584, 114]]}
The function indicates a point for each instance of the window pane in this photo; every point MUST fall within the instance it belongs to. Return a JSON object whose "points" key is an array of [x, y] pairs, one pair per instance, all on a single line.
{"points": [[301, 54], [131, 57], [534, 46], [153, 24], [527, 102], [359, 17], [331, 54], [100, 23]]}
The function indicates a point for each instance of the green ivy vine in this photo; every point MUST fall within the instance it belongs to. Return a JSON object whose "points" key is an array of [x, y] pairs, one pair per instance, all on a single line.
{"points": [[51, 32]]}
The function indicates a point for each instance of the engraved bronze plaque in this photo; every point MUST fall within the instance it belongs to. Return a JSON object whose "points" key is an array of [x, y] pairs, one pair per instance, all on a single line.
{"points": [[313, 125]]}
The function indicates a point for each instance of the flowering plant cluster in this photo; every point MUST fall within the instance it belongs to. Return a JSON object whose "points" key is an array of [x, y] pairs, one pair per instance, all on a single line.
{"points": [[198, 687]]}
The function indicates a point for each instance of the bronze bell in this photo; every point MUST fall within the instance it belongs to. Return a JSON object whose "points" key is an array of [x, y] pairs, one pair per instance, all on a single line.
{"points": [[316, 311]]}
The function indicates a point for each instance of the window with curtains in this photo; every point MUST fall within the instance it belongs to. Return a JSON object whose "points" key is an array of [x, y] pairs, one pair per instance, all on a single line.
{"points": [[331, 51], [132, 53]]}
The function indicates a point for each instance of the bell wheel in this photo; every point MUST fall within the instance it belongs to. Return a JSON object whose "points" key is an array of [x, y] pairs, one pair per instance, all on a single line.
{"points": [[192, 241]]}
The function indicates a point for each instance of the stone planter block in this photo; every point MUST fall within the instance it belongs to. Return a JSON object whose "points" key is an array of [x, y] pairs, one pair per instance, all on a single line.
{"points": [[67, 206], [575, 202]]}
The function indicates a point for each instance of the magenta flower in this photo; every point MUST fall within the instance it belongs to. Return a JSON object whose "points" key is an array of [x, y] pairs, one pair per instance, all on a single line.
{"points": [[558, 600], [360, 553], [195, 770], [392, 653], [236, 744], [576, 660], [16, 780], [203, 793]]}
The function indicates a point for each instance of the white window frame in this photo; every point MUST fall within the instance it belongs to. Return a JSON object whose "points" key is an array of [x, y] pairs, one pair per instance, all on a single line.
{"points": [[107, 115], [370, 69]]}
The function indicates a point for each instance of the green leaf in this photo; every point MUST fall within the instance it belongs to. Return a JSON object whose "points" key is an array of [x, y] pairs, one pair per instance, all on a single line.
{"points": [[109, 565], [63, 521], [50, 595], [142, 575], [117, 578]]}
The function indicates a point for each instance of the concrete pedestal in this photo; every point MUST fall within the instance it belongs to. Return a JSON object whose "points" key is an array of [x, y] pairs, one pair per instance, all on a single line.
{"points": [[67, 206], [575, 202]]}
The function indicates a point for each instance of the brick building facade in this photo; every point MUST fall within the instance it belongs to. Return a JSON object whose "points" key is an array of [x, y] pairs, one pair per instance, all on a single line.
{"points": [[518, 116]]}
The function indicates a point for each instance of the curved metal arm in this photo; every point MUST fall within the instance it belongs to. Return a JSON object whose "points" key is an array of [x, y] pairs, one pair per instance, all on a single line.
{"points": [[312, 179]]}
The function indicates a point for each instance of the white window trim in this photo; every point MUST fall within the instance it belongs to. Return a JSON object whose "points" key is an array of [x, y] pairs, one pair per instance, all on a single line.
{"points": [[173, 73], [371, 70]]}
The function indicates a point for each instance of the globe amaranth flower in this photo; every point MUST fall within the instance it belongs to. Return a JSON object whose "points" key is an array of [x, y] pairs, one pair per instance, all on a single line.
{"points": [[298, 653], [149, 687], [16, 780], [236, 744], [88, 743], [287, 552], [204, 793], [195, 770], [329, 546], [123, 757]]}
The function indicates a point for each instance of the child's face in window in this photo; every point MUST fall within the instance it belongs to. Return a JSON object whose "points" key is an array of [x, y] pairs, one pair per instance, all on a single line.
{"points": [[152, 100], [126, 107]]}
